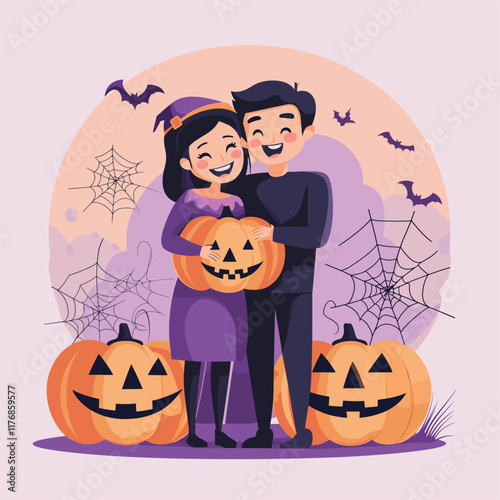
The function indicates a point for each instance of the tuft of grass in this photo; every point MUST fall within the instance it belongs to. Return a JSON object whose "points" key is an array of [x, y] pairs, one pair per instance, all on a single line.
{"points": [[437, 421]]}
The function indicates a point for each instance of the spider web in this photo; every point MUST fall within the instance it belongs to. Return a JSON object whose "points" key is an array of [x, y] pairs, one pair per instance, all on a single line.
{"points": [[95, 299], [388, 284], [113, 183]]}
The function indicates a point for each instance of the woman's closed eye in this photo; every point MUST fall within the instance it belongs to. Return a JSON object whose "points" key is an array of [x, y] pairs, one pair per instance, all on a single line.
{"points": [[230, 145], [202, 155]]}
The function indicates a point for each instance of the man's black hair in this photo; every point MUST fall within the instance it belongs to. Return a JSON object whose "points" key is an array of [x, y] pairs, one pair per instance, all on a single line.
{"points": [[272, 93]]}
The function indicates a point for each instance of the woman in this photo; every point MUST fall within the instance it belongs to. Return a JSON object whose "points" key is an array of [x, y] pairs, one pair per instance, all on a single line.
{"points": [[202, 144]]}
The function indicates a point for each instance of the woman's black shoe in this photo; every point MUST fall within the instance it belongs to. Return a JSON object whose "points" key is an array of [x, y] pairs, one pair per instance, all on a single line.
{"points": [[196, 442], [222, 439]]}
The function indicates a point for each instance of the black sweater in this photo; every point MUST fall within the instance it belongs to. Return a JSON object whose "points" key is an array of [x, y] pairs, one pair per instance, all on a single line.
{"points": [[299, 206]]}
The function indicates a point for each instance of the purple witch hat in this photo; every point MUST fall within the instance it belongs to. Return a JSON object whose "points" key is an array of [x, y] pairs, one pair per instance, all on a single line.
{"points": [[176, 113]]}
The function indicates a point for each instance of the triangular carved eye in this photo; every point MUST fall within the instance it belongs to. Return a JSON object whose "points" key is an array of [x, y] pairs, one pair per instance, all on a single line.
{"points": [[100, 367], [157, 368], [323, 366], [381, 365], [248, 246], [215, 246]]}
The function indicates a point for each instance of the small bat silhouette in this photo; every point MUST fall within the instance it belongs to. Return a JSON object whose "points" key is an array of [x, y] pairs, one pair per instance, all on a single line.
{"points": [[416, 199], [343, 120], [133, 99], [396, 144]]}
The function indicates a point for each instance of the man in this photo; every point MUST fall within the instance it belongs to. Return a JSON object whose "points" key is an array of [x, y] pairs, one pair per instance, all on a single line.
{"points": [[276, 121]]}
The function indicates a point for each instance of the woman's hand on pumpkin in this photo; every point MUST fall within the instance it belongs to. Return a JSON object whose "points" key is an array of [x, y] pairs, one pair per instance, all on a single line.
{"points": [[263, 233], [206, 253]]}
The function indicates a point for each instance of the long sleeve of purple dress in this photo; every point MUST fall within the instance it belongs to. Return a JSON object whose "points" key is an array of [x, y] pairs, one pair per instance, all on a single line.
{"points": [[179, 216]]}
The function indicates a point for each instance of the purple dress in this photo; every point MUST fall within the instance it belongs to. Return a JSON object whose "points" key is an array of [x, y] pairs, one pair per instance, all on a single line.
{"points": [[204, 325]]}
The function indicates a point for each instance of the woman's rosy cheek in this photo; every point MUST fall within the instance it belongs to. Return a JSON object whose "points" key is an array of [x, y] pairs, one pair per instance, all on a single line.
{"points": [[236, 153], [202, 164], [254, 143], [290, 137]]}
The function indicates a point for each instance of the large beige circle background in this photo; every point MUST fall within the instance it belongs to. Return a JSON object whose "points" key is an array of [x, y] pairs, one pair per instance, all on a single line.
{"points": [[214, 73]]}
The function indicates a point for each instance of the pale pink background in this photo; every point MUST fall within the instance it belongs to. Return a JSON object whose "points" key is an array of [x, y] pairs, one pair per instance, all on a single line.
{"points": [[427, 59]]}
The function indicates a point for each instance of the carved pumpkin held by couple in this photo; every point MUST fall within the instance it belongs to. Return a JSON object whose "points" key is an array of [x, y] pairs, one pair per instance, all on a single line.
{"points": [[239, 240]]}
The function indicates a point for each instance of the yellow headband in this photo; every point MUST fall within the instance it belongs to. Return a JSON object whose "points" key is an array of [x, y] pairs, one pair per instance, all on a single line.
{"points": [[176, 121]]}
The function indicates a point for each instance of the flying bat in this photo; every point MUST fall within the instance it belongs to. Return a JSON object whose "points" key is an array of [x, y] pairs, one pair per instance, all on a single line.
{"points": [[343, 120], [416, 199], [396, 144], [133, 99]]}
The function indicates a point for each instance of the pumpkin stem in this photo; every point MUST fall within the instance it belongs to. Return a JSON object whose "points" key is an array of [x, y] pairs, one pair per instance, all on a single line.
{"points": [[226, 212], [124, 335], [349, 335]]}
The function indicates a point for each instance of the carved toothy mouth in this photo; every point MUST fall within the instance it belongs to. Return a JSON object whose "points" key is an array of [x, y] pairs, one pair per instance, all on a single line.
{"points": [[320, 403], [232, 276], [125, 411]]}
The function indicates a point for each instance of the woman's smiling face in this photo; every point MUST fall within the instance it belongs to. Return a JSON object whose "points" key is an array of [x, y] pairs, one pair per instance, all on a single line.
{"points": [[217, 157]]}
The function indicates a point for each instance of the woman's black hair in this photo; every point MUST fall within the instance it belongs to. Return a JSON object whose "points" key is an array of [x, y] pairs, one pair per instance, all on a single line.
{"points": [[176, 180]]}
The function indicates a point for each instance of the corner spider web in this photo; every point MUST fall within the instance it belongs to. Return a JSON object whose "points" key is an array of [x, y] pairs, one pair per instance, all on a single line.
{"points": [[113, 183], [388, 285], [95, 299]]}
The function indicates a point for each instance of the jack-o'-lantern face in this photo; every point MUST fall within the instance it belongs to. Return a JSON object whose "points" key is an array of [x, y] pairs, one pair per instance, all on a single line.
{"points": [[361, 390], [361, 393], [244, 262], [240, 254], [128, 390], [124, 392]]}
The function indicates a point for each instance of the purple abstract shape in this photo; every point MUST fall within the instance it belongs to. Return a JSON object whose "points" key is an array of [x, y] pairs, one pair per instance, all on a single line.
{"points": [[71, 215], [444, 244], [239, 432]]}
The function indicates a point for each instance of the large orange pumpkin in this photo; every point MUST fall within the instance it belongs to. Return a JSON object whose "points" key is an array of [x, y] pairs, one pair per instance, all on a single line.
{"points": [[360, 392], [244, 263], [123, 392]]}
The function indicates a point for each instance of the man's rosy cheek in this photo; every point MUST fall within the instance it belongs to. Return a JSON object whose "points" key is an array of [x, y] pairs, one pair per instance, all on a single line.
{"points": [[290, 137], [202, 164], [236, 153], [255, 143]]}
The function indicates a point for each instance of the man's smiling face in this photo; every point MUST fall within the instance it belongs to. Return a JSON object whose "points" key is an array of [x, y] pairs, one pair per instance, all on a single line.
{"points": [[274, 135]]}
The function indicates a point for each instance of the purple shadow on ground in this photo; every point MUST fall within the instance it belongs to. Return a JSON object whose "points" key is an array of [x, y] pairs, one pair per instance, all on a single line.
{"points": [[239, 432]]}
